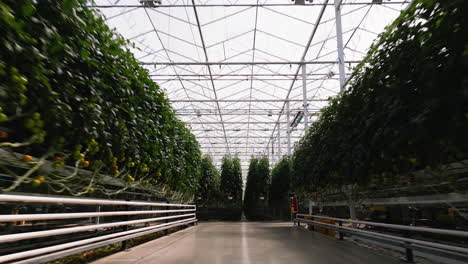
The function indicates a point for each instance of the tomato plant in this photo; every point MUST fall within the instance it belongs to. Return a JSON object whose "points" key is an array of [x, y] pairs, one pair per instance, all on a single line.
{"points": [[71, 88], [257, 187], [209, 181], [405, 109], [280, 182], [231, 179]]}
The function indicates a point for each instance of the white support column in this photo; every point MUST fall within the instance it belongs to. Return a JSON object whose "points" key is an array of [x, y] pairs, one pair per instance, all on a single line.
{"points": [[268, 153], [304, 98], [279, 142], [352, 213], [272, 149], [352, 206], [339, 43], [288, 127]]}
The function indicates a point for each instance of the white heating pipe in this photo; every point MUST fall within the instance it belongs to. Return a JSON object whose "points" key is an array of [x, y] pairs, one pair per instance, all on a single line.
{"points": [[41, 251], [59, 200], [31, 217], [71, 251], [61, 231], [397, 238], [401, 227]]}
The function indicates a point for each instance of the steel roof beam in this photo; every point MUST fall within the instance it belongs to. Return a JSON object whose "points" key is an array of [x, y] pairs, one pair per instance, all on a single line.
{"points": [[232, 110], [231, 130], [304, 54], [174, 17], [167, 34], [226, 16], [209, 70], [228, 39], [243, 63], [239, 137], [244, 100], [286, 15], [233, 122], [237, 79], [234, 114], [237, 147], [282, 39], [245, 5], [252, 72], [167, 53], [235, 75]]}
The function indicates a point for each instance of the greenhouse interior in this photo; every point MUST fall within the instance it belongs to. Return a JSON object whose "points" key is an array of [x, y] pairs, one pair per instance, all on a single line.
{"points": [[233, 131]]}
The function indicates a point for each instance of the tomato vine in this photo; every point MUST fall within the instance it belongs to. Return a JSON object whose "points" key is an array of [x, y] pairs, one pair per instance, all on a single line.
{"points": [[72, 92], [257, 187], [405, 109], [231, 179]]}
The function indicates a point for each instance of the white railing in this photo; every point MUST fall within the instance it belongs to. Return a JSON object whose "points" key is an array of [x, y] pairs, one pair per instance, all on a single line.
{"points": [[133, 228], [440, 249]]}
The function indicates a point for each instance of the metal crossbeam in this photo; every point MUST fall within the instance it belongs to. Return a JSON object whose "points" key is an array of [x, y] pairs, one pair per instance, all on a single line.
{"points": [[209, 70], [240, 111], [234, 114], [236, 147], [246, 5], [253, 78], [240, 155], [231, 130], [243, 63], [239, 137], [238, 143], [233, 122], [244, 100], [236, 75], [242, 107], [304, 54]]}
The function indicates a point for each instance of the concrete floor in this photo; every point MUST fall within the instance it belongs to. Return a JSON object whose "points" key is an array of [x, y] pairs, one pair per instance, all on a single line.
{"points": [[246, 243]]}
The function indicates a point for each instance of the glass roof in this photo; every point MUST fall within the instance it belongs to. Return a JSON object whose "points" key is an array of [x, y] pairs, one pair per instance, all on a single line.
{"points": [[228, 66]]}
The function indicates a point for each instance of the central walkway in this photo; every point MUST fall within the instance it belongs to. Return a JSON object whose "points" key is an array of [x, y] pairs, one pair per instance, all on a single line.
{"points": [[245, 243]]}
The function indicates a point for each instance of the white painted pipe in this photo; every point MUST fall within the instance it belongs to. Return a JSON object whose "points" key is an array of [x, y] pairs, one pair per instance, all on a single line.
{"points": [[31, 217], [41, 251], [397, 238], [7, 198], [71, 251], [401, 227], [61, 231]]}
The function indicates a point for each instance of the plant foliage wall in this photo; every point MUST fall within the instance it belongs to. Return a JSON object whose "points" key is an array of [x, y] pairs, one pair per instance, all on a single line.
{"points": [[210, 180], [71, 92], [231, 179], [280, 182], [405, 108], [257, 188]]}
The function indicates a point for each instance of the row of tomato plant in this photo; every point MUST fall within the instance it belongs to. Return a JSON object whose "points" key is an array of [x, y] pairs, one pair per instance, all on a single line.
{"points": [[257, 187], [405, 107], [280, 182], [231, 179], [72, 93], [210, 181]]}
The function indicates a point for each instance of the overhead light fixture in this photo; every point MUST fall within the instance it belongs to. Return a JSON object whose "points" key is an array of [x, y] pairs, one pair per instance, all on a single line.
{"points": [[150, 3], [301, 2], [297, 119], [298, 2]]}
